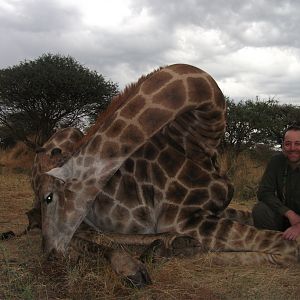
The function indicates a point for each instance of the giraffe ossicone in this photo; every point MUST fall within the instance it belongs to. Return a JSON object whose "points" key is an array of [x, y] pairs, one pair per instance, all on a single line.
{"points": [[150, 166]]}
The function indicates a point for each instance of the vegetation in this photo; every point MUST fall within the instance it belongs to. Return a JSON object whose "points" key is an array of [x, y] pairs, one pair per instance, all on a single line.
{"points": [[50, 92], [252, 123]]}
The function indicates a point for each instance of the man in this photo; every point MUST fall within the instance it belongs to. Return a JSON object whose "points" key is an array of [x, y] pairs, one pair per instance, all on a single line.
{"points": [[278, 207]]}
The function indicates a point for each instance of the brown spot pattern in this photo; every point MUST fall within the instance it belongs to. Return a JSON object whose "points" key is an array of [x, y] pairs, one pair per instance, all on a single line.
{"points": [[157, 176], [110, 150], [185, 69], [141, 171], [218, 192], [153, 119], [172, 96], [133, 107], [116, 128], [199, 89], [148, 194], [176, 192], [197, 197], [169, 213], [171, 161], [94, 145], [150, 152], [132, 135], [155, 82], [120, 213], [129, 165], [194, 176], [128, 191], [142, 215]]}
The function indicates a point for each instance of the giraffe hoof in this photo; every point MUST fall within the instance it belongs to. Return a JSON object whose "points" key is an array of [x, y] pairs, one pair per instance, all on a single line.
{"points": [[185, 246], [130, 269], [140, 279]]}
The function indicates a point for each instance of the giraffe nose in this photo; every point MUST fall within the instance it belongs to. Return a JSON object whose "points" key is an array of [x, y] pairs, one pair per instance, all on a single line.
{"points": [[50, 252]]}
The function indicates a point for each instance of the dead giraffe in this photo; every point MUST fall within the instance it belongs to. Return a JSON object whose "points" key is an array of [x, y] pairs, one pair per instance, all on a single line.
{"points": [[64, 142], [149, 166]]}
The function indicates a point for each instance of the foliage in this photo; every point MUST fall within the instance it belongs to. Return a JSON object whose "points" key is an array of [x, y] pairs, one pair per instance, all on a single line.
{"points": [[251, 123], [50, 92]]}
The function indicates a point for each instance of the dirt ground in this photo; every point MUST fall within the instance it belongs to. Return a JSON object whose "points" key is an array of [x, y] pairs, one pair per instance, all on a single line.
{"points": [[25, 274]]}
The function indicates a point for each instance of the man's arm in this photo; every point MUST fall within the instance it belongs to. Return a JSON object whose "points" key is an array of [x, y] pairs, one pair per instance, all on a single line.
{"points": [[267, 191], [293, 232]]}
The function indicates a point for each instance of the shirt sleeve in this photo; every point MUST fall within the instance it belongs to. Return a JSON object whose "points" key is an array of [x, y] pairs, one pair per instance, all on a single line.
{"points": [[267, 191]]}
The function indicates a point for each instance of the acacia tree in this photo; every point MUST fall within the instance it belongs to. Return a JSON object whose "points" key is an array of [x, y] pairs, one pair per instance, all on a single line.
{"points": [[50, 92]]}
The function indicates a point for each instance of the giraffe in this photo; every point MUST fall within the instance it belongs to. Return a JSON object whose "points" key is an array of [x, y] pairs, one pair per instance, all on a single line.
{"points": [[150, 166]]}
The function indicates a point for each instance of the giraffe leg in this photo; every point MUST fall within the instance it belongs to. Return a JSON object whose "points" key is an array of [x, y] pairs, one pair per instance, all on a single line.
{"points": [[224, 235], [157, 245], [241, 216], [178, 245], [129, 268], [249, 258], [123, 239]]}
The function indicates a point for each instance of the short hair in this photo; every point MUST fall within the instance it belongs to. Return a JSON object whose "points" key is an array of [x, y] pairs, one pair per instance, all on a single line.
{"points": [[295, 126]]}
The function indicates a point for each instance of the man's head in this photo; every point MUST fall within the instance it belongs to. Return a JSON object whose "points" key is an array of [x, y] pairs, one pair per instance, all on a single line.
{"points": [[291, 144]]}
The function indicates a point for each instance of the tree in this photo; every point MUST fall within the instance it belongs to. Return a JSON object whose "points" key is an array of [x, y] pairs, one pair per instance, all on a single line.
{"points": [[256, 127], [250, 123], [50, 92]]}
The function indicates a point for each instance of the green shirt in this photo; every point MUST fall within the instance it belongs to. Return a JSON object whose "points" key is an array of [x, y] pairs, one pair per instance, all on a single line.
{"points": [[280, 186]]}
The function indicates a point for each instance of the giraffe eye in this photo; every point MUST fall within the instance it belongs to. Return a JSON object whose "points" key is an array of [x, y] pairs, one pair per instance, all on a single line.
{"points": [[49, 198]]}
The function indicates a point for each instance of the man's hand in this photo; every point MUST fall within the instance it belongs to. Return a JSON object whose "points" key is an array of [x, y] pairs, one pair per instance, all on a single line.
{"points": [[293, 217], [292, 233]]}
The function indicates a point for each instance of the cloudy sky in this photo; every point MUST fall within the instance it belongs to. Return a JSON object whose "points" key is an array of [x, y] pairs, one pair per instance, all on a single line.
{"points": [[251, 48]]}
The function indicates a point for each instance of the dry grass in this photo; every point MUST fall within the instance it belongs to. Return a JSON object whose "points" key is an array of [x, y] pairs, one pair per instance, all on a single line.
{"points": [[245, 174], [18, 159], [24, 274]]}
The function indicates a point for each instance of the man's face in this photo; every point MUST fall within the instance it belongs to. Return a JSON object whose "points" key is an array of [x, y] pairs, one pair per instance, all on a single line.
{"points": [[291, 146]]}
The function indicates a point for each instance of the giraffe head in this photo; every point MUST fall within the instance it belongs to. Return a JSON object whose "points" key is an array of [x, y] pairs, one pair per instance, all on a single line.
{"points": [[50, 192]]}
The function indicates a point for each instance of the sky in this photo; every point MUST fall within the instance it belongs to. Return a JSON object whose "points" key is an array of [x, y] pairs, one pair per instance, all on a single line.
{"points": [[251, 48]]}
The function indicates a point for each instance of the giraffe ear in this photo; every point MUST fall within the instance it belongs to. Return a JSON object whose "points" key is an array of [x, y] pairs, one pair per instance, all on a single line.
{"points": [[61, 173]]}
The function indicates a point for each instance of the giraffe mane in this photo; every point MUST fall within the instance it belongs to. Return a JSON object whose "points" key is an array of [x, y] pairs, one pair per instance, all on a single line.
{"points": [[117, 102]]}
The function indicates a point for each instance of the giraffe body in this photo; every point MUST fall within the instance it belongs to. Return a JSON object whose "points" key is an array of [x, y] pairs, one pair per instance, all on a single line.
{"points": [[149, 166]]}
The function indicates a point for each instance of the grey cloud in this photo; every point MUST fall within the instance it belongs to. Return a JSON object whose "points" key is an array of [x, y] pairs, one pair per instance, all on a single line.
{"points": [[38, 16], [254, 22], [212, 35]]}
